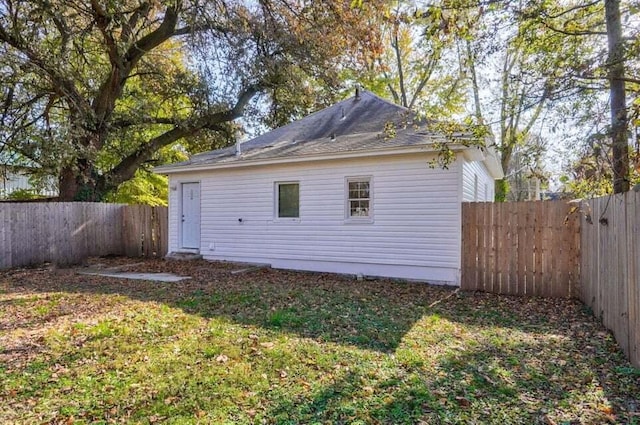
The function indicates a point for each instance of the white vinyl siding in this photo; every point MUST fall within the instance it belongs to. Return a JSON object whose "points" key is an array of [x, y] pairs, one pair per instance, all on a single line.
{"points": [[417, 217], [477, 183], [11, 182]]}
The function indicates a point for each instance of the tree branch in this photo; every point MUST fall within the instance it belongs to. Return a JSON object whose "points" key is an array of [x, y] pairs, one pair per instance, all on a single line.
{"points": [[571, 9], [64, 87], [152, 40], [124, 123], [127, 167], [127, 28], [573, 33], [111, 88], [102, 22], [197, 28], [625, 79], [396, 48], [426, 76]]}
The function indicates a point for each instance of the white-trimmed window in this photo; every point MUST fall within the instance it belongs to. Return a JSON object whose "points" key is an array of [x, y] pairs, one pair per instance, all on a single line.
{"points": [[287, 198], [359, 206]]}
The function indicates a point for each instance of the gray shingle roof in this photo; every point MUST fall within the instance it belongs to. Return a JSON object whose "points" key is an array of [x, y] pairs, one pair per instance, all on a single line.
{"points": [[353, 125]]}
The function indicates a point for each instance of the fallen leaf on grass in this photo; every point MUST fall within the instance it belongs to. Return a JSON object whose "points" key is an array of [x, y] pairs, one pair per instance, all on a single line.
{"points": [[221, 358], [607, 410], [463, 402], [170, 400]]}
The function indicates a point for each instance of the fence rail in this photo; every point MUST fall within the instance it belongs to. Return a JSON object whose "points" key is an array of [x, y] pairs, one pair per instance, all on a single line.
{"points": [[67, 233], [521, 248]]}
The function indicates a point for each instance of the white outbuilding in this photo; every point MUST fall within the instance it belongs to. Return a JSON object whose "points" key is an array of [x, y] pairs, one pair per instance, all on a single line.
{"points": [[348, 189]]}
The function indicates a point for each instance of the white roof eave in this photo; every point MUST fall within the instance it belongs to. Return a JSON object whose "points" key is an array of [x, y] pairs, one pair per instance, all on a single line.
{"points": [[168, 169], [493, 164]]}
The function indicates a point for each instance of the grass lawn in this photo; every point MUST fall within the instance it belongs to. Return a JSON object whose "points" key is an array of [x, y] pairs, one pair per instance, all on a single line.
{"points": [[286, 348]]}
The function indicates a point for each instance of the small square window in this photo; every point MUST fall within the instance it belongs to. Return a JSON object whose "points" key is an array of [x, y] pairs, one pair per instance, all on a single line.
{"points": [[288, 200], [359, 198]]}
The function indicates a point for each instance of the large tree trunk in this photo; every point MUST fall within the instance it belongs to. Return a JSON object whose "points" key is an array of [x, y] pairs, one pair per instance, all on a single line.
{"points": [[615, 63], [81, 183], [67, 185], [501, 186]]}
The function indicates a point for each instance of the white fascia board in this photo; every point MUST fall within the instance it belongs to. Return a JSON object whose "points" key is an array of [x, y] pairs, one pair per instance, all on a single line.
{"points": [[475, 153], [488, 155], [305, 158], [493, 164]]}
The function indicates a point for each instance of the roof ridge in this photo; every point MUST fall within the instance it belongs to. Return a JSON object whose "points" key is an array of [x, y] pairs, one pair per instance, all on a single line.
{"points": [[353, 97], [370, 93]]}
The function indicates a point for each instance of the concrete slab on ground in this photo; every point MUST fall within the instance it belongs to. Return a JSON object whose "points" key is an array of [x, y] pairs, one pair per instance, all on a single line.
{"points": [[157, 277]]}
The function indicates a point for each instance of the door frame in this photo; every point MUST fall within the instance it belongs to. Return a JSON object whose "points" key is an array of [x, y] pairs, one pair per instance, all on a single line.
{"points": [[181, 184]]}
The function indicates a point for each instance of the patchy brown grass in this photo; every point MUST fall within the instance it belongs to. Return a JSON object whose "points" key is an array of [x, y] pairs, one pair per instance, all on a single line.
{"points": [[286, 347]]}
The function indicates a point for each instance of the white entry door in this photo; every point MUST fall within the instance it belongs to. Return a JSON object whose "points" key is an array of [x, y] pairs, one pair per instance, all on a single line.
{"points": [[190, 215]]}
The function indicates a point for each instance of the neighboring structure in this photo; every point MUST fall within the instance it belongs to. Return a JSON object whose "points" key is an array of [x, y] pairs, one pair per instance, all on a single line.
{"points": [[332, 192], [14, 178], [526, 175]]}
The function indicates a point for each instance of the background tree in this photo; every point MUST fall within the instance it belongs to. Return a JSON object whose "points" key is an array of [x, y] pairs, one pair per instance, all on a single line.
{"points": [[94, 90], [529, 60], [611, 28], [616, 73], [420, 65], [527, 175], [516, 65]]}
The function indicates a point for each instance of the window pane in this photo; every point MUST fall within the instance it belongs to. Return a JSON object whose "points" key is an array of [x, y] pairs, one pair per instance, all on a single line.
{"points": [[359, 208], [359, 198], [288, 200], [358, 190]]}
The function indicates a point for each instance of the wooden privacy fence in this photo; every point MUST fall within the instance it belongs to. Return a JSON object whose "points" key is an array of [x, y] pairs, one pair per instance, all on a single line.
{"points": [[521, 248], [145, 231], [610, 264], [589, 250], [67, 233]]}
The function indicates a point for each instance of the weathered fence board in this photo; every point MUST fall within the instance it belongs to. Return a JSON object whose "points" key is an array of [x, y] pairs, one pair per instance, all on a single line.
{"points": [[523, 248], [611, 266], [67, 233]]}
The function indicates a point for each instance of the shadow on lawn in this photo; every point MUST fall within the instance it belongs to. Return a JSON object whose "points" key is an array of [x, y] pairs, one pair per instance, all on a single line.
{"points": [[520, 384], [490, 380], [372, 315]]}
